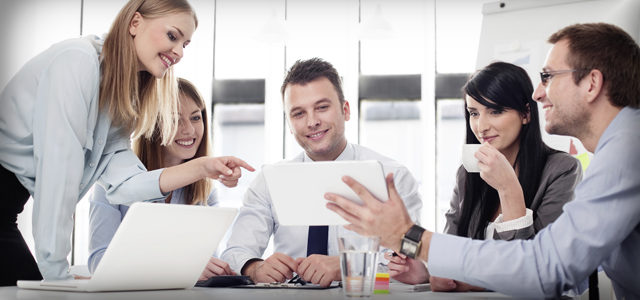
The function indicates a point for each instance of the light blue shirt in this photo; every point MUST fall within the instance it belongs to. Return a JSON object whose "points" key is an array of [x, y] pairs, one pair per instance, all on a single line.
{"points": [[105, 218], [600, 227], [58, 143], [257, 221]]}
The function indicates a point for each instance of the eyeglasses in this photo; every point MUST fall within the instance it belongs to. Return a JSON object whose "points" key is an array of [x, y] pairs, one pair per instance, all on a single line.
{"points": [[546, 76]]}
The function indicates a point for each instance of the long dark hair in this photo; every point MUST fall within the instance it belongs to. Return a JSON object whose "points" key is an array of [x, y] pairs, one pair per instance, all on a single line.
{"points": [[508, 87]]}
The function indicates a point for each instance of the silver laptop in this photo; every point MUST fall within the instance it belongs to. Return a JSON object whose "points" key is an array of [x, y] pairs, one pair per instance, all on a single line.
{"points": [[157, 246], [297, 189]]}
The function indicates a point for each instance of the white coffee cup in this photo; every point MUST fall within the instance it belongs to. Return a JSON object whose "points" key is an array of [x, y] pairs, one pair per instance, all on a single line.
{"points": [[469, 161]]}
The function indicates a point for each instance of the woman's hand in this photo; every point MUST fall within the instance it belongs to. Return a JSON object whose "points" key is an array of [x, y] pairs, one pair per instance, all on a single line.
{"points": [[223, 164], [495, 169], [406, 270], [497, 172], [226, 169]]}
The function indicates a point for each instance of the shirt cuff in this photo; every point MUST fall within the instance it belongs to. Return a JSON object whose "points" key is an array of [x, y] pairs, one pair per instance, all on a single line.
{"points": [[245, 262], [149, 186], [515, 224]]}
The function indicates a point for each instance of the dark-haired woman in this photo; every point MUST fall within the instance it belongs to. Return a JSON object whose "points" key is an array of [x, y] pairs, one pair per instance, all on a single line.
{"points": [[522, 184]]}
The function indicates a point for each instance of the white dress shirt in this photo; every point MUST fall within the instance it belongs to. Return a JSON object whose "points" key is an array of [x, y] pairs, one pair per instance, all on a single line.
{"points": [[256, 220]]}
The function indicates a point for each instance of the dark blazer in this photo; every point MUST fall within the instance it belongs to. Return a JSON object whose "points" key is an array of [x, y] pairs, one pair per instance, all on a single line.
{"points": [[560, 176]]}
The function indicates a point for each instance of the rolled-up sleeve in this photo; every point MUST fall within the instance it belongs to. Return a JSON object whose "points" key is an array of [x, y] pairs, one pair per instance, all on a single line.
{"points": [[126, 180], [520, 228]]}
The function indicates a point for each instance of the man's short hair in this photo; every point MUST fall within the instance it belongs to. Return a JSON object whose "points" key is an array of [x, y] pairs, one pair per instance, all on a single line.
{"points": [[610, 50], [305, 71]]}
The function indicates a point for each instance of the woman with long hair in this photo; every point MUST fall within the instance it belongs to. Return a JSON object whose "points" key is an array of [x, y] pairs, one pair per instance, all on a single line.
{"points": [[191, 141], [522, 184], [66, 121]]}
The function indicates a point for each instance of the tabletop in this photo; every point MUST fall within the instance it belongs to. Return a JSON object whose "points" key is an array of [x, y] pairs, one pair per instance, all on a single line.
{"points": [[397, 291]]}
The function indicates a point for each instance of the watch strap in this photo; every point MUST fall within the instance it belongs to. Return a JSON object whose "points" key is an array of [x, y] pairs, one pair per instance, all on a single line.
{"points": [[415, 233]]}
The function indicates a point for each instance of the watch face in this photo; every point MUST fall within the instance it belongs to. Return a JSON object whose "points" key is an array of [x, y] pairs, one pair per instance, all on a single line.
{"points": [[409, 248]]}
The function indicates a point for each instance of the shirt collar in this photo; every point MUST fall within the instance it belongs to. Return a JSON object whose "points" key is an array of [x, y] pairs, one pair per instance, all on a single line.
{"points": [[619, 122], [348, 153]]}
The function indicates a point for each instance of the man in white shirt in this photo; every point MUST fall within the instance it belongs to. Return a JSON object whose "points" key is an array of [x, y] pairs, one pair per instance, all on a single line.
{"points": [[316, 111]]}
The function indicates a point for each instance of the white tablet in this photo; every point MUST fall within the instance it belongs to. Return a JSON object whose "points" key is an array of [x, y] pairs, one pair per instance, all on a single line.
{"points": [[297, 189]]}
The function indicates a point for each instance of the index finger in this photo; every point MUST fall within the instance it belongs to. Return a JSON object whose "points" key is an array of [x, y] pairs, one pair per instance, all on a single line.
{"points": [[481, 155], [360, 190], [240, 163], [344, 207]]}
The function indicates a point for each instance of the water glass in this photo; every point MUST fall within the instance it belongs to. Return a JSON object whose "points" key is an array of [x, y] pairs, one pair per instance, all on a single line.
{"points": [[358, 262]]}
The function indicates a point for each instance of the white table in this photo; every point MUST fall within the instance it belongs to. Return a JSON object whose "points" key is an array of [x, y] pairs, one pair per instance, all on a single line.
{"points": [[398, 291]]}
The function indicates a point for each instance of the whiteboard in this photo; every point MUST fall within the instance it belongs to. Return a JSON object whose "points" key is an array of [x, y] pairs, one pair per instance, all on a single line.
{"points": [[516, 31]]}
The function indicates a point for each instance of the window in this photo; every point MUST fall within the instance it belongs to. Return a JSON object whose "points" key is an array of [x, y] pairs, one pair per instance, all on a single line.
{"points": [[238, 130], [393, 128], [393, 61], [450, 137], [457, 29]]}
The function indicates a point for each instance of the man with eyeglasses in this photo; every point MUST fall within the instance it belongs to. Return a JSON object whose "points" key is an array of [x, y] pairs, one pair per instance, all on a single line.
{"points": [[590, 89]]}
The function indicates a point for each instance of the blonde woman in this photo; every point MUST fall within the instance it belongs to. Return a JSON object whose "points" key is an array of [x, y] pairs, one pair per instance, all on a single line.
{"points": [[191, 141], [65, 123]]}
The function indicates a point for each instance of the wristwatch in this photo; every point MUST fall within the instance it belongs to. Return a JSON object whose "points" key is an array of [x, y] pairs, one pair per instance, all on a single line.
{"points": [[412, 241]]}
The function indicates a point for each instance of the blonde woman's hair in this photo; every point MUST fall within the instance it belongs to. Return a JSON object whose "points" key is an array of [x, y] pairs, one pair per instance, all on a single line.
{"points": [[138, 101], [150, 151]]}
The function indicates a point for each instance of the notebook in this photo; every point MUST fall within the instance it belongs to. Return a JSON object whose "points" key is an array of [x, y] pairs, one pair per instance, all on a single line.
{"points": [[297, 189], [157, 246]]}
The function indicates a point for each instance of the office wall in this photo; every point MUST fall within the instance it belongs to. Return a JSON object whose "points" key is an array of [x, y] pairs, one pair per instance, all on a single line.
{"points": [[29, 27]]}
